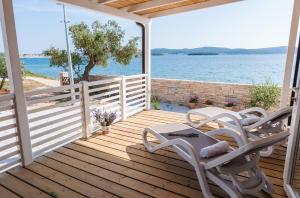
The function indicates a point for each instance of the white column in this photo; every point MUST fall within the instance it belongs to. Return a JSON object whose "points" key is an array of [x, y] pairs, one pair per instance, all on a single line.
{"points": [[15, 73], [123, 99], [148, 63], [290, 55], [85, 110]]}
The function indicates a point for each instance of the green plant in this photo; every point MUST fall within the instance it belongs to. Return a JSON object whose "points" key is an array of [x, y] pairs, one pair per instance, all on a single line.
{"points": [[194, 99], [208, 102], [104, 118], [53, 194], [264, 95], [230, 102], [3, 70], [95, 45], [155, 102]]}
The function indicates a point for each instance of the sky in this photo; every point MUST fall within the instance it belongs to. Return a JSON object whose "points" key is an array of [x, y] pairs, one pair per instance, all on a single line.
{"points": [[245, 24]]}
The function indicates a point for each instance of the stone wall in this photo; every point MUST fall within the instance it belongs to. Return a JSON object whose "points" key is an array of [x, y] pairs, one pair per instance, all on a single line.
{"points": [[180, 91]]}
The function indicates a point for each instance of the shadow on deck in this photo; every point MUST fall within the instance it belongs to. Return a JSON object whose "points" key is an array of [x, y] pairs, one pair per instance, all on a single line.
{"points": [[117, 165]]}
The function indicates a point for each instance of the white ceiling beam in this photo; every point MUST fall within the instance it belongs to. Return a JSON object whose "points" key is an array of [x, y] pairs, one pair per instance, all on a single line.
{"points": [[197, 6], [104, 1], [149, 5], [92, 5]]}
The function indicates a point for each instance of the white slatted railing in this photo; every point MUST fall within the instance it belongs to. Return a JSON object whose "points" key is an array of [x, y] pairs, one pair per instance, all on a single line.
{"points": [[55, 117], [59, 115], [135, 94], [10, 155], [104, 95]]}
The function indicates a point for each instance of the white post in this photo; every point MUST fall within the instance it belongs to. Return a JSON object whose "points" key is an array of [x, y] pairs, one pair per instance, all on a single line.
{"points": [[123, 98], [290, 55], [13, 65], [86, 110], [148, 63]]}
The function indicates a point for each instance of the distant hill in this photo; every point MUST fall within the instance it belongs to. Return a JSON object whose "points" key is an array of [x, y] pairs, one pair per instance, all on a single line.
{"points": [[219, 50]]}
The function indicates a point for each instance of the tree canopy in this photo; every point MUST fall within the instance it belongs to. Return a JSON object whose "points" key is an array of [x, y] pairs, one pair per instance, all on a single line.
{"points": [[95, 45]]}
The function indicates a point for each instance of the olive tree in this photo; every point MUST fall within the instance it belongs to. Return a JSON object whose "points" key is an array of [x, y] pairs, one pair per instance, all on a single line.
{"points": [[95, 45]]}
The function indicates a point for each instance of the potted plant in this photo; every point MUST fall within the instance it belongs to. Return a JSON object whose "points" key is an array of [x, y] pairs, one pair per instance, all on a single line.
{"points": [[193, 102], [230, 103], [208, 103], [155, 103], [105, 119]]}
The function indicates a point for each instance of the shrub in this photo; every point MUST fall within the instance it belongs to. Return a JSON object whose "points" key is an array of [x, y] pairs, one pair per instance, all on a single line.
{"points": [[194, 99], [264, 95], [155, 102]]}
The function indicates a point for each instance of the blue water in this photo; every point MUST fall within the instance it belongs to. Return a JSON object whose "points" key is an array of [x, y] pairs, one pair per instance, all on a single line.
{"points": [[219, 68]]}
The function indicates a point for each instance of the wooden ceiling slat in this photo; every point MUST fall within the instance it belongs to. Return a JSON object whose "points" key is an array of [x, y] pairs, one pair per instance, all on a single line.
{"points": [[150, 5], [157, 8]]}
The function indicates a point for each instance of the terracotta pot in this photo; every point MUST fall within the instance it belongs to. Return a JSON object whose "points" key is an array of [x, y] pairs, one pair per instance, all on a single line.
{"points": [[105, 129], [233, 108], [2, 92], [192, 105]]}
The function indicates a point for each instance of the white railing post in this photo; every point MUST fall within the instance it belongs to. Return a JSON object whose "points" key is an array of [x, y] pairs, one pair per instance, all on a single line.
{"points": [[85, 110], [15, 79], [123, 98], [148, 64]]}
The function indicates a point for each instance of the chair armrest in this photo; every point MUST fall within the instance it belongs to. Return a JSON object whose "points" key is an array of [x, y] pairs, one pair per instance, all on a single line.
{"points": [[189, 153], [236, 126], [253, 110], [229, 133]]}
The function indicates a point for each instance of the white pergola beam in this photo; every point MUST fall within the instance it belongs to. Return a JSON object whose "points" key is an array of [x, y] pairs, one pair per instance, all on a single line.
{"points": [[104, 1], [201, 5], [290, 55], [92, 5], [150, 4]]}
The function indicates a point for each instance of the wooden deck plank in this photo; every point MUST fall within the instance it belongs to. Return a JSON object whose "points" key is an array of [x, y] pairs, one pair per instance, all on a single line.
{"points": [[44, 183], [5, 193], [150, 183], [21, 188], [117, 165], [85, 173], [70, 182]]}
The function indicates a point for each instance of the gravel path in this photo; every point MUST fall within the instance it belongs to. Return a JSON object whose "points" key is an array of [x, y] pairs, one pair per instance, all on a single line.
{"points": [[47, 82]]}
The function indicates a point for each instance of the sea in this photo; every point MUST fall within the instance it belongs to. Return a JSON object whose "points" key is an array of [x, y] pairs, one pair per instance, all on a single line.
{"points": [[243, 69]]}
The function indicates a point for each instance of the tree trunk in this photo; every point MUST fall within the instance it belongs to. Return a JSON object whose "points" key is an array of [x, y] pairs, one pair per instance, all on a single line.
{"points": [[87, 69], [2, 83]]}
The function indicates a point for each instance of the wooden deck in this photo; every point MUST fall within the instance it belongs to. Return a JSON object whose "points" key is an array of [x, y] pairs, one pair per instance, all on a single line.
{"points": [[117, 165]]}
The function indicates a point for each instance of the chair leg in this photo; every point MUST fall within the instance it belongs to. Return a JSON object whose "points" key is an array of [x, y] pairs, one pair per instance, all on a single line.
{"points": [[203, 182], [222, 184]]}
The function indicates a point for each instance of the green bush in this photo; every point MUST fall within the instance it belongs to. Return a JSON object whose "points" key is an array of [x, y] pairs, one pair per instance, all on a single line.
{"points": [[264, 95], [155, 103]]}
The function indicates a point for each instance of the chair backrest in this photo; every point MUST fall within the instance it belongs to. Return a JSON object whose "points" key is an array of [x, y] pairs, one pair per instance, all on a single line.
{"points": [[250, 148], [278, 116]]}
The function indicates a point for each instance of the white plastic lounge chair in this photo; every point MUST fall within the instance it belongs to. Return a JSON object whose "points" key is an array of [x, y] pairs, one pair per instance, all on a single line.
{"points": [[261, 127], [224, 170]]}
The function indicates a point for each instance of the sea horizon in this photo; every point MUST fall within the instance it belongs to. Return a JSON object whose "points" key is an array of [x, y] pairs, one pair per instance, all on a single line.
{"points": [[240, 69]]}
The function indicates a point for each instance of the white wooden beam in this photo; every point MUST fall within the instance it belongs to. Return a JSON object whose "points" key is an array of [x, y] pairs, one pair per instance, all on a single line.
{"points": [[13, 63], [105, 1], [91, 5], [196, 6], [148, 63], [290, 55], [150, 4]]}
